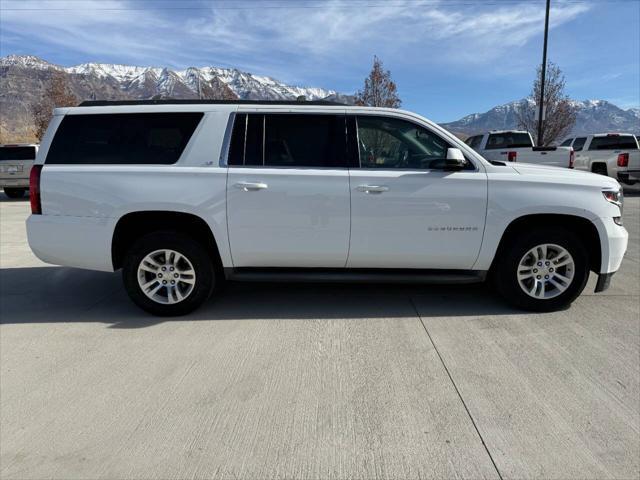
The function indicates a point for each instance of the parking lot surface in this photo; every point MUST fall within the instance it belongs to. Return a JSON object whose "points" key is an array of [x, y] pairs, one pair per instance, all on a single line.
{"points": [[313, 381]]}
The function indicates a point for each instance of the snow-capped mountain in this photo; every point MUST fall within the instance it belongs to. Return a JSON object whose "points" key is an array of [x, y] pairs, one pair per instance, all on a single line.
{"points": [[24, 79], [147, 82], [592, 116]]}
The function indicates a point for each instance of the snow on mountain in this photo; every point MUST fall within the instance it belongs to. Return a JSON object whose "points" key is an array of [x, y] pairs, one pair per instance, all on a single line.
{"points": [[27, 61], [121, 73], [254, 87], [147, 82]]}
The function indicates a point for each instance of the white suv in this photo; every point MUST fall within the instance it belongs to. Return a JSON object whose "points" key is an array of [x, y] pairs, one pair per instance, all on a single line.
{"points": [[183, 195]]}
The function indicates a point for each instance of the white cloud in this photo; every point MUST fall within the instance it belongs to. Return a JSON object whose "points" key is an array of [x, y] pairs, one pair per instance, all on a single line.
{"points": [[288, 42]]}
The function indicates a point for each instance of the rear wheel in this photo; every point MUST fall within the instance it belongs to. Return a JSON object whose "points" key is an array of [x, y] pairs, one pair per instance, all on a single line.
{"points": [[14, 192], [542, 271], [599, 168], [168, 273]]}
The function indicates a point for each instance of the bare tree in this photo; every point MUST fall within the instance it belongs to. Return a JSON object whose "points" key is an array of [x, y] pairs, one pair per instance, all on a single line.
{"points": [[379, 90], [57, 94], [560, 115]]}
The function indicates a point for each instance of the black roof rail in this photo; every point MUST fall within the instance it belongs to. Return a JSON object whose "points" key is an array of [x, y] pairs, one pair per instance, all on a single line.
{"points": [[109, 103]]}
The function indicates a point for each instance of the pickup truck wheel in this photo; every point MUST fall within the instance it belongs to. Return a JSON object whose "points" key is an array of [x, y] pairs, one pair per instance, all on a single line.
{"points": [[542, 271], [14, 192], [168, 274]]}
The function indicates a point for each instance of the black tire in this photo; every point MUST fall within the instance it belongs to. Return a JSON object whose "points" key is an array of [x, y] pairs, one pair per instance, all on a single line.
{"points": [[192, 250], [599, 168], [506, 265], [14, 192]]}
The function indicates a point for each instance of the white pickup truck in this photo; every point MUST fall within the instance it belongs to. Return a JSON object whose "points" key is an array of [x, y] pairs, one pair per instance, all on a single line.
{"points": [[613, 154], [182, 196], [518, 146]]}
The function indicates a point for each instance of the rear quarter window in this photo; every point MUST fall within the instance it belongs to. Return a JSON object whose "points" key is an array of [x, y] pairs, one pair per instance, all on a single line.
{"points": [[122, 138], [17, 153], [614, 142], [508, 140]]}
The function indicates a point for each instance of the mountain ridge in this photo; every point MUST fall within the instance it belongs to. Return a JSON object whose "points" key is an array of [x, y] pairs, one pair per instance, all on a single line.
{"points": [[25, 77], [592, 116]]}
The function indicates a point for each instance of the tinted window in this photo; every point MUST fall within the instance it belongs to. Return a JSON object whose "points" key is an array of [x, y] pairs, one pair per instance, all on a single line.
{"points": [[17, 153], [393, 143], [579, 143], [304, 141], [236, 146], [475, 142], [288, 140], [567, 142], [614, 142], [127, 138], [508, 140]]}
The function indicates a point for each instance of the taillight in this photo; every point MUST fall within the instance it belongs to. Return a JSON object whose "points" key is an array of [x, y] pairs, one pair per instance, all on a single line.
{"points": [[623, 159], [34, 190], [511, 156], [572, 158]]}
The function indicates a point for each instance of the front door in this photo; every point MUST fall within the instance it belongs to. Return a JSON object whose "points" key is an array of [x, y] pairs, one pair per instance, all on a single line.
{"points": [[407, 211], [288, 191]]}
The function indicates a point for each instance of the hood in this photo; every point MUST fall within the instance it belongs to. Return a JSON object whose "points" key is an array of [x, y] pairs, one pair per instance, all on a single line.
{"points": [[565, 175]]}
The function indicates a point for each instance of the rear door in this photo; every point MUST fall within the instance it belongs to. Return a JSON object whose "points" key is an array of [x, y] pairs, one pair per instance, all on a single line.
{"points": [[581, 161], [288, 190], [15, 164], [407, 211]]}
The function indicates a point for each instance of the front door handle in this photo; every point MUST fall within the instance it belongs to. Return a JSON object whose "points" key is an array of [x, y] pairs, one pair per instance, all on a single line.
{"points": [[251, 186], [373, 188]]}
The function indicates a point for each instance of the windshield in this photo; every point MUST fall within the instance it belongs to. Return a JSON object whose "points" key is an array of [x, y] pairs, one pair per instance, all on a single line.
{"points": [[508, 140]]}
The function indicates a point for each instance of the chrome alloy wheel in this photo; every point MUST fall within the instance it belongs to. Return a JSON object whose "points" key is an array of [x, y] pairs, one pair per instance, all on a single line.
{"points": [[166, 276], [546, 271]]}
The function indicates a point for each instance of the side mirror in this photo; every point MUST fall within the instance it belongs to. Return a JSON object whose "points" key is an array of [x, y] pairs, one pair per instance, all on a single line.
{"points": [[455, 159]]}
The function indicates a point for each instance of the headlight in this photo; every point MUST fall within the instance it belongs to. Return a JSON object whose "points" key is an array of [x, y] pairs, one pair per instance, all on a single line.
{"points": [[614, 196]]}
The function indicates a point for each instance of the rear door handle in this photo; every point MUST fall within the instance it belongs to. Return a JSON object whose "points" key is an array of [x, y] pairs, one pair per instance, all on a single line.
{"points": [[372, 188], [251, 186]]}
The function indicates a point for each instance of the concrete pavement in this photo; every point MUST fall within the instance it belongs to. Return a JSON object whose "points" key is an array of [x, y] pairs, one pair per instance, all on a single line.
{"points": [[313, 381]]}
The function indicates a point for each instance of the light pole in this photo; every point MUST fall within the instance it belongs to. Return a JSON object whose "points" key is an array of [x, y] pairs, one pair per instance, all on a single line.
{"points": [[543, 74]]}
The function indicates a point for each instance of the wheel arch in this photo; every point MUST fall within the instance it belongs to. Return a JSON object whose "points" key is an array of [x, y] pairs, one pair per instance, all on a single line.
{"points": [[133, 225], [583, 227]]}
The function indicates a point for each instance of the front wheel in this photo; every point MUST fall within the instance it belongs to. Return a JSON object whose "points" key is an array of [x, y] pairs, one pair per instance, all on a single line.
{"points": [[168, 274], [542, 271], [14, 192]]}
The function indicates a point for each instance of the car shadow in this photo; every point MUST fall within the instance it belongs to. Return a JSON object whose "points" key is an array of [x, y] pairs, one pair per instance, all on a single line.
{"points": [[631, 190], [63, 295]]}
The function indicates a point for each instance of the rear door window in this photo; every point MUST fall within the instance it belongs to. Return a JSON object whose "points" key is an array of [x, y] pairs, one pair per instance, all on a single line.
{"points": [[579, 143], [127, 138], [567, 142], [17, 153], [614, 142], [288, 140], [508, 140]]}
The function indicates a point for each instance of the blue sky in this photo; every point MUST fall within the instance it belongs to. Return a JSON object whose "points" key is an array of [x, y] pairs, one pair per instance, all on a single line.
{"points": [[448, 57]]}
